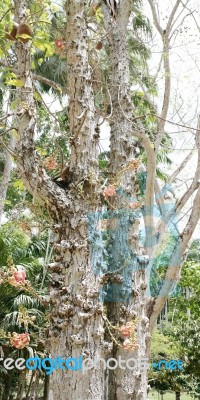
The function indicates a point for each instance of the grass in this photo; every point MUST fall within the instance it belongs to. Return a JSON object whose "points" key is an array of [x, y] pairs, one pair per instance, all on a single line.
{"points": [[153, 395]]}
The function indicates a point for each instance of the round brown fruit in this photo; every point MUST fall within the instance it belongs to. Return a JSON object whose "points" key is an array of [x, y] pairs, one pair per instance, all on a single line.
{"points": [[11, 35], [24, 29], [99, 45]]}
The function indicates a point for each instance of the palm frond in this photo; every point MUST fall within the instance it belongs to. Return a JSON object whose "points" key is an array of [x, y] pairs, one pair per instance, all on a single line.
{"points": [[25, 300]]}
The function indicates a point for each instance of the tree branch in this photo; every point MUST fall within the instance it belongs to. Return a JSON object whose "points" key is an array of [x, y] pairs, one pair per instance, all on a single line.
{"points": [[38, 78], [166, 42], [167, 91], [84, 140], [181, 167], [171, 17], [34, 175], [195, 183], [48, 82], [155, 17]]}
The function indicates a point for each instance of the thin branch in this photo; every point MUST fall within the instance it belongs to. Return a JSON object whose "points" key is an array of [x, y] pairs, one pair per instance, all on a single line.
{"points": [[171, 278], [158, 69], [159, 197], [9, 150], [192, 222], [45, 105], [48, 82], [167, 91], [155, 17], [183, 19], [171, 17], [176, 19], [10, 9], [185, 6], [195, 183], [38, 78], [181, 167], [6, 116], [8, 130]]}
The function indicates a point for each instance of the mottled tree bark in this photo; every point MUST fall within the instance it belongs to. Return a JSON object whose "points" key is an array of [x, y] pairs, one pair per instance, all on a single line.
{"points": [[125, 384], [6, 176]]}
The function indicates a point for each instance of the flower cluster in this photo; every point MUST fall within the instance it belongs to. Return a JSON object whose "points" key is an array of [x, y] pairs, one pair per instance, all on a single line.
{"points": [[135, 204], [15, 277], [20, 340], [60, 46], [134, 164], [59, 43], [128, 333], [51, 163], [109, 192]]}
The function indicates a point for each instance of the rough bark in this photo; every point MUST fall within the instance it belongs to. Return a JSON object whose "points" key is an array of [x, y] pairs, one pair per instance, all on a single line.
{"points": [[6, 176], [130, 302], [46, 388], [76, 317]]}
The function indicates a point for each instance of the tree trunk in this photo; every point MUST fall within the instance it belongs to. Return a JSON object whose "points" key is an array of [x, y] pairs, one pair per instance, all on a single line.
{"points": [[21, 385], [77, 328], [178, 395], [7, 386], [6, 175], [34, 386], [126, 301], [46, 387], [30, 384]]}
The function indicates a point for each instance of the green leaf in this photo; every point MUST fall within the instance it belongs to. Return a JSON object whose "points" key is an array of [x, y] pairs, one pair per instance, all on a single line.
{"points": [[23, 36], [2, 53], [15, 82], [19, 185], [39, 43], [8, 202], [99, 15]]}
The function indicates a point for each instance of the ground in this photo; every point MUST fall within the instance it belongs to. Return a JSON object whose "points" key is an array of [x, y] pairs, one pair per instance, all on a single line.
{"points": [[153, 395]]}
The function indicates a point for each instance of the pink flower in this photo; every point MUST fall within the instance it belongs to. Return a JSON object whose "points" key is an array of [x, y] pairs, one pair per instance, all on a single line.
{"points": [[125, 331], [109, 192], [20, 340], [59, 43], [50, 163], [17, 278], [135, 204]]}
